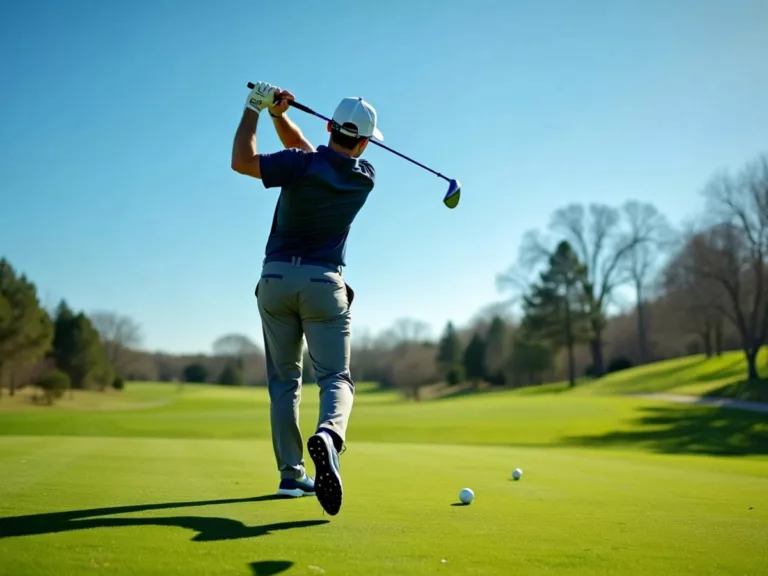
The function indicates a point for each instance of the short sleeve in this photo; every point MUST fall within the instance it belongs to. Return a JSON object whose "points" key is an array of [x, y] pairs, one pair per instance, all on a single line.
{"points": [[282, 168], [367, 168]]}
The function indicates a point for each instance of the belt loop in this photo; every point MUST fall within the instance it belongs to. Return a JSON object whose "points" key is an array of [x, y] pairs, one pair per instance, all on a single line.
{"points": [[298, 261], [293, 260]]}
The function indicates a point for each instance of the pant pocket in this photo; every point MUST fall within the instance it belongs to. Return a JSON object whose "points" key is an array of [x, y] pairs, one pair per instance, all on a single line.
{"points": [[266, 277], [323, 297]]}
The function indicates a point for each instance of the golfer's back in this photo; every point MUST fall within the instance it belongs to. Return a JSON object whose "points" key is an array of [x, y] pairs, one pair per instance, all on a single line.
{"points": [[301, 292], [322, 193]]}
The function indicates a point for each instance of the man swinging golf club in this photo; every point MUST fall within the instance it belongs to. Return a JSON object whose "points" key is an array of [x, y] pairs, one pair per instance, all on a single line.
{"points": [[301, 292]]}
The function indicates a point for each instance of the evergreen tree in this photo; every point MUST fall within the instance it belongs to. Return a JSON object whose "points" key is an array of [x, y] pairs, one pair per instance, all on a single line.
{"points": [[449, 356], [78, 350], [496, 351], [556, 311], [25, 328], [474, 357], [530, 358]]}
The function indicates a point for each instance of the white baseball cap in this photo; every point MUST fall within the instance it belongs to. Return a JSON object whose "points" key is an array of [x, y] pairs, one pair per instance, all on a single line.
{"points": [[358, 112]]}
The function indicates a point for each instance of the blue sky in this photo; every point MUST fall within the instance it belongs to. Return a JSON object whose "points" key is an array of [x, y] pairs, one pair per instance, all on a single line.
{"points": [[118, 118]]}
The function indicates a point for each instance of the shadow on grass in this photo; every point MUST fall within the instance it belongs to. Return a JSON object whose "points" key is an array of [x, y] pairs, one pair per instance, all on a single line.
{"points": [[269, 567], [208, 528], [678, 429], [750, 390], [646, 381], [734, 368]]}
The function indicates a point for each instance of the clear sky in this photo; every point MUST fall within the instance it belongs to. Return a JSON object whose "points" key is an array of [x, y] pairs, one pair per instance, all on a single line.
{"points": [[117, 118]]}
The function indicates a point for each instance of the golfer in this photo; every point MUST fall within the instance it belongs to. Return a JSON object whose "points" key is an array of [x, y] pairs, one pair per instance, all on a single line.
{"points": [[301, 292]]}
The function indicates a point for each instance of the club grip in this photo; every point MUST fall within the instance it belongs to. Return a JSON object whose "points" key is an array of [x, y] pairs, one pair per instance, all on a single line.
{"points": [[292, 103]]}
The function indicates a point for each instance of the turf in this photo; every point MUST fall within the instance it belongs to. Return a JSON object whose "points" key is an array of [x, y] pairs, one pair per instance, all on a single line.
{"points": [[155, 480], [155, 506]]}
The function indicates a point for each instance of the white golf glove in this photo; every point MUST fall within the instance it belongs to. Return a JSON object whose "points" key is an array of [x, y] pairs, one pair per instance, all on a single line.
{"points": [[261, 96]]}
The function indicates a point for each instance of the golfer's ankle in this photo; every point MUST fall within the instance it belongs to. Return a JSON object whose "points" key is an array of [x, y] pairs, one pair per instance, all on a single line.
{"points": [[338, 443]]}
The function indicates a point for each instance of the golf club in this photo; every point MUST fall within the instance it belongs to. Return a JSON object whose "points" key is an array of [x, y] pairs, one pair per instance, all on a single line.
{"points": [[454, 187]]}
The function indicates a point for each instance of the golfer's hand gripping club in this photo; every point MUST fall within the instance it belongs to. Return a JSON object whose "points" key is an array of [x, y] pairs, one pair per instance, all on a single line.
{"points": [[262, 96], [292, 103], [452, 197]]}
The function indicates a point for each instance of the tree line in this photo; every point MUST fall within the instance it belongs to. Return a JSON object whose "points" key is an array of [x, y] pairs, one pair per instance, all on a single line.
{"points": [[60, 350], [55, 351], [698, 288]]}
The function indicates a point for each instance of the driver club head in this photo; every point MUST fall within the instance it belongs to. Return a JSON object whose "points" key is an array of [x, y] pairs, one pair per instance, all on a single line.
{"points": [[453, 195]]}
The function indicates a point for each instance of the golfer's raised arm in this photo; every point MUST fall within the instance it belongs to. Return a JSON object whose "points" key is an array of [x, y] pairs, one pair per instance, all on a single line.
{"points": [[290, 135], [245, 159]]}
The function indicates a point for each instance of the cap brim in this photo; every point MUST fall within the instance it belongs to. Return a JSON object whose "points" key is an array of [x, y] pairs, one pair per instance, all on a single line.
{"points": [[377, 134]]}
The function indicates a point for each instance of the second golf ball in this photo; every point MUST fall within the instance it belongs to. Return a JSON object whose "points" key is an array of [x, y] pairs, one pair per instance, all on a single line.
{"points": [[466, 496], [517, 473]]}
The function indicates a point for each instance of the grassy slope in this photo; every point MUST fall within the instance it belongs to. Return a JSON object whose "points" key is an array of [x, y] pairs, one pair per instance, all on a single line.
{"points": [[691, 375], [694, 375], [656, 503]]}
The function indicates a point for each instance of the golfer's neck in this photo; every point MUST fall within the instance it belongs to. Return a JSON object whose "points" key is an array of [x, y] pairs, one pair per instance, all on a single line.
{"points": [[336, 148]]}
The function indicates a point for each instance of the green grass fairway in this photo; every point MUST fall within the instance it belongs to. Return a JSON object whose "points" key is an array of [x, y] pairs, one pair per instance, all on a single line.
{"points": [[158, 506], [158, 481]]}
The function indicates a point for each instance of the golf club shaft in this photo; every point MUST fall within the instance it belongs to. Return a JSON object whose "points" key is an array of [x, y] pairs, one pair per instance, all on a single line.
{"points": [[309, 110]]}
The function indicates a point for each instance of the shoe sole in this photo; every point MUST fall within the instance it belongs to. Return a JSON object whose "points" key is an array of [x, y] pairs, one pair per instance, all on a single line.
{"points": [[297, 493], [327, 481]]}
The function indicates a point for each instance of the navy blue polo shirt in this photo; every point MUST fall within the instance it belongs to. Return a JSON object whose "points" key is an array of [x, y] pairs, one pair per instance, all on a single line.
{"points": [[321, 194]]}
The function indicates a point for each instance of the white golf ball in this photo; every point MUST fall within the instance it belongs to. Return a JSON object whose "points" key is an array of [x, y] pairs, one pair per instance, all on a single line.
{"points": [[517, 473], [466, 496]]}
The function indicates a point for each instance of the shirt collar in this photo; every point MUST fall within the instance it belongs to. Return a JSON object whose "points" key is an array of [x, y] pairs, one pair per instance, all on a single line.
{"points": [[336, 157]]}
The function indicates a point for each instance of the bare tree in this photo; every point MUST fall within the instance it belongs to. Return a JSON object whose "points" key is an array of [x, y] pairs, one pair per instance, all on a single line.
{"points": [[120, 335], [732, 252], [410, 330], [241, 350], [413, 367], [694, 301], [598, 239], [234, 345], [649, 233]]}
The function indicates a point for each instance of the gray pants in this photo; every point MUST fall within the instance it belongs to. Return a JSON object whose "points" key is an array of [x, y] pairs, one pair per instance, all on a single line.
{"points": [[297, 300]]}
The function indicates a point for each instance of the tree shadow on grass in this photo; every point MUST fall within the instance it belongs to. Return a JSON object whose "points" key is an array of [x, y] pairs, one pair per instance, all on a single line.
{"points": [[685, 429], [652, 378], [270, 567], [749, 390], [208, 528], [734, 368]]}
